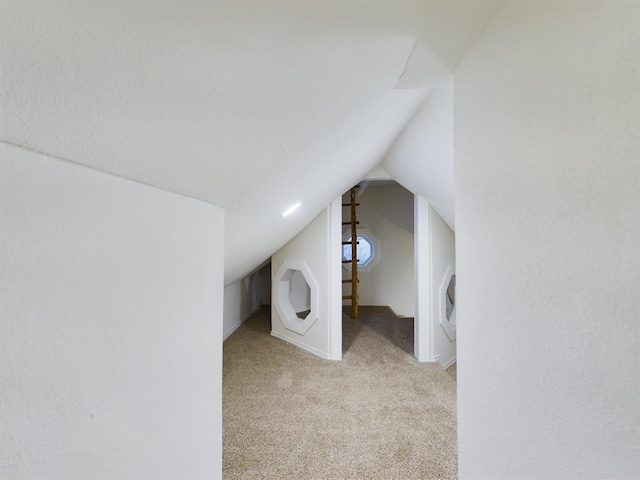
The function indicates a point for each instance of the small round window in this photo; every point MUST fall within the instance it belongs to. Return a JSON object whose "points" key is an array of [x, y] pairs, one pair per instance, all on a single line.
{"points": [[367, 249], [364, 250]]}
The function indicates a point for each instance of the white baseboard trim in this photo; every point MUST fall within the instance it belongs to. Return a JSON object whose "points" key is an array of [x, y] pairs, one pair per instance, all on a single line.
{"points": [[309, 349], [450, 362], [240, 322]]}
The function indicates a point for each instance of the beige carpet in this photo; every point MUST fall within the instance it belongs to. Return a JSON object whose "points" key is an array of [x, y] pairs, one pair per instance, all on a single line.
{"points": [[453, 371], [377, 414]]}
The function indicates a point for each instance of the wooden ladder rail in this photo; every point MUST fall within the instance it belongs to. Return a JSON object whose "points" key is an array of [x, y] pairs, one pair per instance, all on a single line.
{"points": [[354, 253]]}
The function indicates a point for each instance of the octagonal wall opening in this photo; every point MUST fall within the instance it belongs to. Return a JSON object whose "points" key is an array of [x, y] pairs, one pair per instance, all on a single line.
{"points": [[448, 303], [295, 296], [299, 294], [451, 297]]}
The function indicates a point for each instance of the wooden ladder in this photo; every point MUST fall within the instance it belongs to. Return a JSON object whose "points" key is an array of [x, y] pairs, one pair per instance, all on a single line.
{"points": [[354, 253]]}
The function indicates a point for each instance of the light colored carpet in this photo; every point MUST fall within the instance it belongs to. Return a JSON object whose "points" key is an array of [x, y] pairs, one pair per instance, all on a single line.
{"points": [[453, 371], [377, 414]]}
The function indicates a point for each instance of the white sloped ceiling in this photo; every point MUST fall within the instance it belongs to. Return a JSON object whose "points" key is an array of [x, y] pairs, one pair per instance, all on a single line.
{"points": [[250, 106]]}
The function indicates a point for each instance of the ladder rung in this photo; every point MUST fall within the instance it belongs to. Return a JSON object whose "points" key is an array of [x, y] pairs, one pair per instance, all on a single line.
{"points": [[348, 204], [346, 297], [349, 243], [350, 281], [349, 223]]}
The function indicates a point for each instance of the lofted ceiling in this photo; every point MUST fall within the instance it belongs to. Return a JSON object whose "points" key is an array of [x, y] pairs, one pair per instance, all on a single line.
{"points": [[250, 106]]}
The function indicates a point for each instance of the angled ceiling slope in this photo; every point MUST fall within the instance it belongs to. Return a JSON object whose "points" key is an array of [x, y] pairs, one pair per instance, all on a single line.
{"points": [[240, 104]]}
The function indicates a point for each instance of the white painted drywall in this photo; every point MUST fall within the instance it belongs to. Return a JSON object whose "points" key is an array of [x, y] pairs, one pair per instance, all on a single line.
{"points": [[187, 84], [210, 99], [443, 260], [421, 158], [310, 246], [111, 315], [547, 149], [241, 299], [387, 212], [334, 279], [423, 345], [434, 256], [314, 177]]}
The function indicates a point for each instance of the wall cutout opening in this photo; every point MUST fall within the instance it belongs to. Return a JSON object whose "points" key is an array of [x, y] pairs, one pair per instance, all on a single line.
{"points": [[295, 296], [300, 294], [448, 303], [451, 297]]}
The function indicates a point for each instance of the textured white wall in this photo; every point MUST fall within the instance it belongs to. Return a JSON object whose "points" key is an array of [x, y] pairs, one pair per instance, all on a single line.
{"points": [[547, 148], [422, 345], [311, 246], [313, 177], [387, 212], [434, 254], [251, 106], [241, 299], [421, 158], [110, 338]]}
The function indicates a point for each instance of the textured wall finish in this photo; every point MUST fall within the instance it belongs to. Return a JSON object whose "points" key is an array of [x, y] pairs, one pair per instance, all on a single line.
{"points": [[210, 99], [421, 158], [434, 256], [196, 97], [387, 212], [547, 169], [308, 250], [111, 326], [314, 177]]}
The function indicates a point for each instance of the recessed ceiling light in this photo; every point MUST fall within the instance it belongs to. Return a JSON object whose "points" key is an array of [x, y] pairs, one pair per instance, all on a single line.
{"points": [[291, 209]]}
